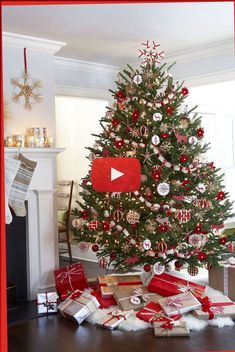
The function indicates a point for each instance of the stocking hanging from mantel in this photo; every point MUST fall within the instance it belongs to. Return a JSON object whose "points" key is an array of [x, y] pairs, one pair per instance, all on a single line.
{"points": [[26, 87], [18, 175]]}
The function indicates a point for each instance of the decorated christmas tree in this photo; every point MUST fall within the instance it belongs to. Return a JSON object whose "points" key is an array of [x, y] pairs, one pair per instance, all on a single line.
{"points": [[179, 211]]}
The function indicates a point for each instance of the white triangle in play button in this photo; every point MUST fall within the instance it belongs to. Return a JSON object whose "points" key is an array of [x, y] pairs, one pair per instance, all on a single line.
{"points": [[115, 174]]}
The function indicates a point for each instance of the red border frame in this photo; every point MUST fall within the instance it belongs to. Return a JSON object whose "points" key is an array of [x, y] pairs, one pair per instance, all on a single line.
{"points": [[3, 308]]}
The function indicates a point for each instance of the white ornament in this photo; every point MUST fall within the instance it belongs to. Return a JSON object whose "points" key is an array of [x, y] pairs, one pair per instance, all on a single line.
{"points": [[163, 188], [192, 140], [137, 79], [157, 116], [158, 105], [155, 140], [201, 187], [195, 240], [106, 214], [147, 244], [158, 268], [135, 300]]}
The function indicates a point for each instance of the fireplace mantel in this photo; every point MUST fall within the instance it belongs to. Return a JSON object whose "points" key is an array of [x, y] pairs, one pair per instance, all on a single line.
{"points": [[42, 232]]}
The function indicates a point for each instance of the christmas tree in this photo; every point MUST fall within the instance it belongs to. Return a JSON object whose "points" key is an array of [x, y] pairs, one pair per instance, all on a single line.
{"points": [[178, 212]]}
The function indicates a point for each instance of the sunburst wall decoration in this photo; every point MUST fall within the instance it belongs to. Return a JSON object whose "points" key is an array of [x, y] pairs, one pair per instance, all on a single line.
{"points": [[27, 88]]}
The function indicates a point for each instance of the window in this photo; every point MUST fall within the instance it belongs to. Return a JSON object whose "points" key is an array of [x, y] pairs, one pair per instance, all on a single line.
{"points": [[76, 120]]}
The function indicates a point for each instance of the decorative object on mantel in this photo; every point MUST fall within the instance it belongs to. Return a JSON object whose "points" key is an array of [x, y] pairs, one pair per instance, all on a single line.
{"points": [[20, 185], [36, 137], [26, 87]]}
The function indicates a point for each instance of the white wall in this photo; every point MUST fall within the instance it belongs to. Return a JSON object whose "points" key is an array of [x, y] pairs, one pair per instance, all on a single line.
{"points": [[40, 62]]}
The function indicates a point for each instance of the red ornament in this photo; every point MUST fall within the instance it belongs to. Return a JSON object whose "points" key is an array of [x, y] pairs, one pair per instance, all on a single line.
{"points": [[147, 268], [198, 229], [119, 143], [184, 216], [184, 91], [120, 95], [106, 226], [95, 247], [223, 240], [200, 132], [169, 110], [184, 158], [165, 135], [178, 265], [202, 256], [135, 116], [84, 214], [156, 173], [161, 246], [93, 225], [163, 228], [113, 255], [220, 195], [115, 122]]}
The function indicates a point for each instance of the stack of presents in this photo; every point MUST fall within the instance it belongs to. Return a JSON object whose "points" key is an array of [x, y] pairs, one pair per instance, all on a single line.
{"points": [[162, 303]]}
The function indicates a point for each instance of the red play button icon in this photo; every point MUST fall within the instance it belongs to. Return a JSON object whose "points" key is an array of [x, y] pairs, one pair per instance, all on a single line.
{"points": [[115, 174]]}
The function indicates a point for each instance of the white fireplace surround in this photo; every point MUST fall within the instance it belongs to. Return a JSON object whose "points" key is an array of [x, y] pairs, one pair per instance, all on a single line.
{"points": [[42, 232]]}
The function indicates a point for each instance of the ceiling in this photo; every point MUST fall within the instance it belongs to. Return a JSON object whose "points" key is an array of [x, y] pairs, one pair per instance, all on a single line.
{"points": [[111, 34]]}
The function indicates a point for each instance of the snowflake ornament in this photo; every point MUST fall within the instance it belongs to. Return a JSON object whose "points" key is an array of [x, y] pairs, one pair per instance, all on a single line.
{"points": [[27, 88], [150, 53]]}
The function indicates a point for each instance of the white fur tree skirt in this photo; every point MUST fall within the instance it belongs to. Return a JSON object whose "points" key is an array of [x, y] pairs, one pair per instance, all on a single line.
{"points": [[135, 324]]}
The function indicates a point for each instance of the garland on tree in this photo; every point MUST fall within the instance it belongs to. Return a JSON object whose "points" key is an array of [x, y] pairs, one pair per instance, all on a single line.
{"points": [[178, 212]]}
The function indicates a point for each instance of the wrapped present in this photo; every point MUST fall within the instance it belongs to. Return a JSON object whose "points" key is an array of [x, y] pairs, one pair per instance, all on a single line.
{"points": [[78, 306], [47, 302], [153, 312], [223, 278], [179, 304], [93, 283], [69, 279], [114, 318], [216, 307], [129, 298], [104, 302], [109, 282], [170, 328], [168, 285]]}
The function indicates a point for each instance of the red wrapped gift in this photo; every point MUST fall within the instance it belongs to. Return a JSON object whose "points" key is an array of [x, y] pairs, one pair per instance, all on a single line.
{"points": [[153, 312], [69, 279], [104, 302], [169, 285]]}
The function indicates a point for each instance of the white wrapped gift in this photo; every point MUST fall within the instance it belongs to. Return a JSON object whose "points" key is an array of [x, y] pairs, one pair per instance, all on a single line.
{"points": [[47, 302]]}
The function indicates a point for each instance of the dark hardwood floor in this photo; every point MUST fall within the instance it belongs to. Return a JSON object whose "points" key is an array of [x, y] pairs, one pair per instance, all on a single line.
{"points": [[55, 334]]}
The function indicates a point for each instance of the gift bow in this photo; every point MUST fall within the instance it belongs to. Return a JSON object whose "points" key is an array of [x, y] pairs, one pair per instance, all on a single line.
{"points": [[154, 315], [174, 302], [167, 325], [67, 274], [188, 287], [138, 292], [75, 294], [118, 313], [211, 308]]}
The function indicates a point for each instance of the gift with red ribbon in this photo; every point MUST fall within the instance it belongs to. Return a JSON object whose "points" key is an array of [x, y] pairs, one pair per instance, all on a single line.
{"points": [[170, 328], [108, 283], [153, 312], [78, 306], [114, 318], [69, 279], [104, 302], [215, 307], [168, 285], [179, 304], [47, 302]]}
